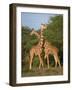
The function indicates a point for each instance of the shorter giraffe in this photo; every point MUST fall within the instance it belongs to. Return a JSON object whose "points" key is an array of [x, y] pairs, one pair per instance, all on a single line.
{"points": [[49, 49], [36, 50]]}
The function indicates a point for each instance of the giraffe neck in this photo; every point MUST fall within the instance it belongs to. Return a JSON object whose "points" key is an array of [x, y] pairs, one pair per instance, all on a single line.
{"points": [[41, 38]]}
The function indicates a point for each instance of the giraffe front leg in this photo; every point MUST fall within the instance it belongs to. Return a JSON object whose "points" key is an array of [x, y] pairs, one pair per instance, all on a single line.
{"points": [[57, 61], [48, 61], [41, 62], [39, 65]]}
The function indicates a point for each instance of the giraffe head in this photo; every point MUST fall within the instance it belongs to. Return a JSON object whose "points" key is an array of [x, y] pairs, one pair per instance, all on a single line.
{"points": [[43, 26]]}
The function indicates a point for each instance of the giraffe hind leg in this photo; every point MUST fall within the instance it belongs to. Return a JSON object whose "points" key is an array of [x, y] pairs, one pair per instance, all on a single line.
{"points": [[57, 61]]}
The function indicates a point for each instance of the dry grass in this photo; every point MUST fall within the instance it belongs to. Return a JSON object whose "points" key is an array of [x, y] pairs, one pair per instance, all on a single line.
{"points": [[42, 72]]}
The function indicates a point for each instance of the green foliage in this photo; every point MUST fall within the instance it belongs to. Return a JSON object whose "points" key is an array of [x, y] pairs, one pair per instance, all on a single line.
{"points": [[35, 62]]}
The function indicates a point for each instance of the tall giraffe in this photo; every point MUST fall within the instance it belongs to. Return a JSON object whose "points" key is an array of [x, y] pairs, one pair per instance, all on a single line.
{"points": [[37, 50]]}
